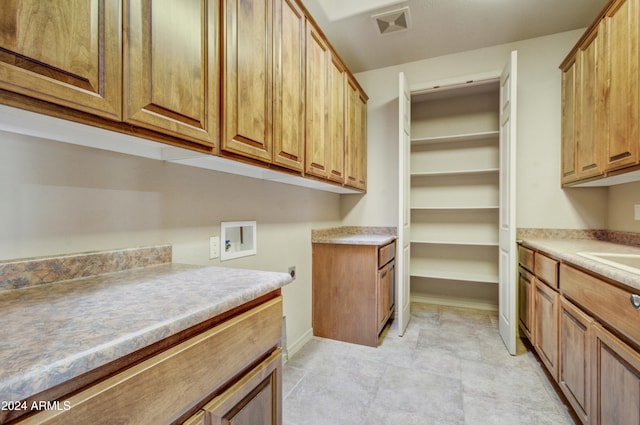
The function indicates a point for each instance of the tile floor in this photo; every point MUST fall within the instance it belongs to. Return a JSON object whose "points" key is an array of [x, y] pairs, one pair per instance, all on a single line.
{"points": [[450, 368]]}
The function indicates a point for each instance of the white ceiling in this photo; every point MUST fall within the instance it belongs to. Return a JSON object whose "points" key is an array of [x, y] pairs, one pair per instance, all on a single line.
{"points": [[440, 27]]}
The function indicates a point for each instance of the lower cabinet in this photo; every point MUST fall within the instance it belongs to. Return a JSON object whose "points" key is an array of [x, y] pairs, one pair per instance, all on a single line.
{"points": [[588, 338], [352, 291], [574, 362], [208, 369], [525, 303], [545, 325], [254, 399], [616, 380]]}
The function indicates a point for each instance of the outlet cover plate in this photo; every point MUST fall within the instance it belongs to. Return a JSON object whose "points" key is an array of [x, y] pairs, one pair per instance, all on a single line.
{"points": [[214, 247]]}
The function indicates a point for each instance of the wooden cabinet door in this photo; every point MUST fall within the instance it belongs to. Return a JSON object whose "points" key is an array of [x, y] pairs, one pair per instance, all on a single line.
{"points": [[385, 278], [574, 367], [248, 79], [569, 151], [356, 136], [317, 148], [525, 301], [64, 52], [171, 67], [622, 44], [289, 98], [254, 399], [616, 380], [545, 326], [589, 106], [362, 137], [336, 118]]}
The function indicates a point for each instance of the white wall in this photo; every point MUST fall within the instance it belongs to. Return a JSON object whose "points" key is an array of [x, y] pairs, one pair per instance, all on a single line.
{"points": [[622, 199], [59, 198], [541, 202]]}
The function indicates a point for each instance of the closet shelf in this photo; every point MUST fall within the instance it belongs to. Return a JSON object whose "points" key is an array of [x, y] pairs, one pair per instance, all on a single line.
{"points": [[484, 135], [455, 172], [463, 243], [456, 208], [457, 276]]}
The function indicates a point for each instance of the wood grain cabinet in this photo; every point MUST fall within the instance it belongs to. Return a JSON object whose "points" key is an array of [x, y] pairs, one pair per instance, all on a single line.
{"points": [[356, 136], [546, 302], [67, 53], [616, 380], [171, 67], [247, 97], [525, 301], [353, 289], [229, 373], [336, 118], [601, 97], [574, 367], [289, 86]]}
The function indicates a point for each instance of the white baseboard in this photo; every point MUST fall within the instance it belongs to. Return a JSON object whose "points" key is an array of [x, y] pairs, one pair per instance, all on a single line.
{"points": [[454, 302], [293, 348]]}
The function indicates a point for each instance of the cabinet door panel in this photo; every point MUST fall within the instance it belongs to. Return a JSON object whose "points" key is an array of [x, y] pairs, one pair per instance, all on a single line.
{"points": [[546, 326], [616, 386], [590, 86], [622, 44], [569, 151], [317, 148], [65, 52], [248, 65], [525, 301], [574, 362], [171, 77], [288, 138], [254, 399], [336, 119]]}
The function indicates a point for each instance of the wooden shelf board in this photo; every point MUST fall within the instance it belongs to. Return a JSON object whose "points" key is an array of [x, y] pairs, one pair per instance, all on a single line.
{"points": [[456, 138]]}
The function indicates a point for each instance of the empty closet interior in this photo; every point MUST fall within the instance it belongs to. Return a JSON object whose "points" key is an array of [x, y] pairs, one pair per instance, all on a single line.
{"points": [[454, 194]]}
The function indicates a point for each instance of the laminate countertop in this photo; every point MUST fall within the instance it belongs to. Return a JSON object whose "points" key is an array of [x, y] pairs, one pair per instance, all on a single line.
{"points": [[378, 236], [55, 332], [568, 251]]}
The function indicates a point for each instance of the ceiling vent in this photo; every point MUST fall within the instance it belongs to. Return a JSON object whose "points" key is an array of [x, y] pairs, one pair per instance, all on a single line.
{"points": [[393, 21]]}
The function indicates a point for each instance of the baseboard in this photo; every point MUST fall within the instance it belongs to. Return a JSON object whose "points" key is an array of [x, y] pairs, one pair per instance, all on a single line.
{"points": [[292, 349], [454, 302]]}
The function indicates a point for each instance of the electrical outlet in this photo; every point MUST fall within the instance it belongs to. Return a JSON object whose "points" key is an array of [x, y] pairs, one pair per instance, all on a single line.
{"points": [[214, 247], [636, 210], [292, 272]]}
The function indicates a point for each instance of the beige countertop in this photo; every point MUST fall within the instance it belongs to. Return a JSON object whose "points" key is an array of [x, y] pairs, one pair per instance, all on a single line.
{"points": [[568, 250], [55, 332], [378, 236]]}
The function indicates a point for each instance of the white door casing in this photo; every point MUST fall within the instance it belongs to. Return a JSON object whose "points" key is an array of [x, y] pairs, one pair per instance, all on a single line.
{"points": [[403, 254], [507, 226]]}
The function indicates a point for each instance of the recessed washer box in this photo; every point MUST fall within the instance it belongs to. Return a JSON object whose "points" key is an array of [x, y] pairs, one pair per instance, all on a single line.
{"points": [[238, 239]]}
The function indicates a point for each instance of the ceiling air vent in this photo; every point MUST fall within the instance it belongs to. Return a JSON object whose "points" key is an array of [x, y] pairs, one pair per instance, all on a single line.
{"points": [[393, 21]]}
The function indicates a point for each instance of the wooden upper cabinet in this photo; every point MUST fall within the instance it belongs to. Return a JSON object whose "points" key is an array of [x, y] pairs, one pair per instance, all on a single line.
{"points": [[356, 136], [590, 123], [64, 52], [622, 45], [336, 118], [171, 67], [289, 98], [317, 148], [569, 151], [248, 79]]}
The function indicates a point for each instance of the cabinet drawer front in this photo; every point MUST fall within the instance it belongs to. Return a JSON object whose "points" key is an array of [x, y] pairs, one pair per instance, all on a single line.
{"points": [[607, 302], [166, 386], [546, 269], [525, 257], [386, 254]]}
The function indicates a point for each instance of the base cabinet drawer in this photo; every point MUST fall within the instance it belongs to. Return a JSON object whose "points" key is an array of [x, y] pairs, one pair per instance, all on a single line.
{"points": [[616, 381]]}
